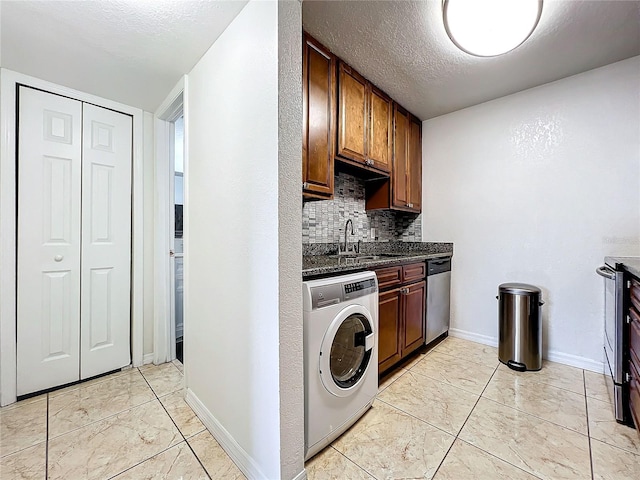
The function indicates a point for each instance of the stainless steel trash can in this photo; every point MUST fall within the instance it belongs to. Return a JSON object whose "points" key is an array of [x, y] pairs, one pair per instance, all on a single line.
{"points": [[520, 326]]}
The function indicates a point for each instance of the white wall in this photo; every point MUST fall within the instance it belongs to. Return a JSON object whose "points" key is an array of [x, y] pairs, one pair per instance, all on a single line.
{"points": [[290, 244], [538, 187], [233, 224]]}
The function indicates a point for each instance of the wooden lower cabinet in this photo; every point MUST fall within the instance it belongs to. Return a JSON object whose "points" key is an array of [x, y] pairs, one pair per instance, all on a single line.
{"points": [[413, 303], [401, 310], [389, 311]]}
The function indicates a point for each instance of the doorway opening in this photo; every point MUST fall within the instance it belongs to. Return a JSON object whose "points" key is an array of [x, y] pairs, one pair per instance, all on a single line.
{"points": [[177, 226]]}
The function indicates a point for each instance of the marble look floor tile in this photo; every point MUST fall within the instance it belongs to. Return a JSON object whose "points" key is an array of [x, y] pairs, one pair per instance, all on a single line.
{"points": [[176, 463], [603, 427], [331, 464], [471, 351], [537, 446], [181, 413], [599, 386], [179, 365], [466, 462], [214, 458], [388, 444], [456, 371], [27, 464], [389, 378], [437, 403], [164, 379], [554, 374], [611, 463], [108, 447], [22, 425], [93, 381], [94, 402], [415, 358], [556, 405]]}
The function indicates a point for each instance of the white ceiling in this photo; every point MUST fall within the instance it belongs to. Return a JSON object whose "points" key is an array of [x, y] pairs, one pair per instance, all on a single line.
{"points": [[402, 47], [130, 51]]}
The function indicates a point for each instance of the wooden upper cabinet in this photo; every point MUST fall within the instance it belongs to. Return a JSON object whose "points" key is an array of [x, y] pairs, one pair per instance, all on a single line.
{"points": [[364, 122], [414, 165], [319, 100], [379, 141], [406, 191], [402, 126], [403, 191], [352, 114]]}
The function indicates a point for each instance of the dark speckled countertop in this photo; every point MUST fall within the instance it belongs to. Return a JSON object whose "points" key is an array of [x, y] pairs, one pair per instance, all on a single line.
{"points": [[631, 264], [323, 260]]}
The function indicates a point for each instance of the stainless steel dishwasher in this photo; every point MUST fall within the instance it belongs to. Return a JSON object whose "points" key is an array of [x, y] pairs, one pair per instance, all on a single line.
{"points": [[438, 302]]}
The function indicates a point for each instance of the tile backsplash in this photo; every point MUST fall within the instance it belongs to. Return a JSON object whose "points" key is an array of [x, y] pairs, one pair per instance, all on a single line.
{"points": [[324, 221]]}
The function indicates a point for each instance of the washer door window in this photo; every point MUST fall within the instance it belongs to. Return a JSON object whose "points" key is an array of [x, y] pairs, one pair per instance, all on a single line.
{"points": [[346, 352]]}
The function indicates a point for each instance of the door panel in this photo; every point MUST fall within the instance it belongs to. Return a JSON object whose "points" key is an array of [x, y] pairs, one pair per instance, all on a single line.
{"points": [[48, 310], [106, 241], [388, 329], [379, 145], [414, 302], [415, 164], [400, 152], [352, 121], [319, 119]]}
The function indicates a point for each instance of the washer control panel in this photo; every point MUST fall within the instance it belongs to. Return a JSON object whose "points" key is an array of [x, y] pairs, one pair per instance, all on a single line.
{"points": [[326, 295]]}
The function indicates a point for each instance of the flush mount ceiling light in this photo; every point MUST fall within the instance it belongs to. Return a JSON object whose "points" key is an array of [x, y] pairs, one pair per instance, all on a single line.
{"points": [[486, 28]]}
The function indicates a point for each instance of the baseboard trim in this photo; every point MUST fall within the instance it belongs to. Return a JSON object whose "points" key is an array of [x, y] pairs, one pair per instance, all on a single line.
{"points": [[474, 337], [575, 361], [301, 476], [147, 358], [240, 457], [553, 356]]}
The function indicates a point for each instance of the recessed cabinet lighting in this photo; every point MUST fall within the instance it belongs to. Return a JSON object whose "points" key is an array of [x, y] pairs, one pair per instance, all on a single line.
{"points": [[486, 28]]}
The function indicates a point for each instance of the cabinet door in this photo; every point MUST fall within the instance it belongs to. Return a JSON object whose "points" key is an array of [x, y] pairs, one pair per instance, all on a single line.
{"points": [[400, 153], [634, 392], [379, 141], [352, 114], [388, 329], [318, 90], [413, 301], [414, 173]]}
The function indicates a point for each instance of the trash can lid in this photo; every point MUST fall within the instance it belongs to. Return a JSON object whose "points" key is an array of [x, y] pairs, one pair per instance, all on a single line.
{"points": [[519, 288]]}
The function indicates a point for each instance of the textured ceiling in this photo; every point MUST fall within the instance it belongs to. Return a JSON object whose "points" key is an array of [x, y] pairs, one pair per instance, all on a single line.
{"points": [[402, 47], [131, 51]]}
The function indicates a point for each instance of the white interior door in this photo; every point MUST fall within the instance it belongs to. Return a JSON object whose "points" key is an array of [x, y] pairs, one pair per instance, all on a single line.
{"points": [[49, 172], [106, 241]]}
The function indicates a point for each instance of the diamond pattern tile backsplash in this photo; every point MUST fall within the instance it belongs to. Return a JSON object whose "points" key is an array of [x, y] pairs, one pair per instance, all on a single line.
{"points": [[323, 221]]}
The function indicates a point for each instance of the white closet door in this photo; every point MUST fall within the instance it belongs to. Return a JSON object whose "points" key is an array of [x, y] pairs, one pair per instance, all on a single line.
{"points": [[48, 315], [106, 241]]}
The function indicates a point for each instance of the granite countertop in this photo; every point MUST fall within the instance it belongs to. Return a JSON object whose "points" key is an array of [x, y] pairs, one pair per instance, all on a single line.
{"points": [[631, 264], [323, 260]]}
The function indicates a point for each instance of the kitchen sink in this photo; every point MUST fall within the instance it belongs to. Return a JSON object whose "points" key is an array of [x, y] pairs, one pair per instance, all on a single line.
{"points": [[364, 257]]}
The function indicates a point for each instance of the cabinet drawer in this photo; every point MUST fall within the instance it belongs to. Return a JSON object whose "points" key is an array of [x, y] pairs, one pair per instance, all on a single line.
{"points": [[389, 276], [414, 271], [634, 394], [634, 332]]}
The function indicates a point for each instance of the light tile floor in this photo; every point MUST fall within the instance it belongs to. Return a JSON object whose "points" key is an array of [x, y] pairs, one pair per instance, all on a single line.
{"points": [[131, 425], [451, 413], [456, 413]]}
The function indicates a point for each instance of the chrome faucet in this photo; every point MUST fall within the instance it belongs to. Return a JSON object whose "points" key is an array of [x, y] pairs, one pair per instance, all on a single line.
{"points": [[347, 250]]}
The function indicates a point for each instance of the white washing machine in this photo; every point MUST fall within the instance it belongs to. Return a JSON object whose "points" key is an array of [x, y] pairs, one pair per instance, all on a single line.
{"points": [[340, 355]]}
